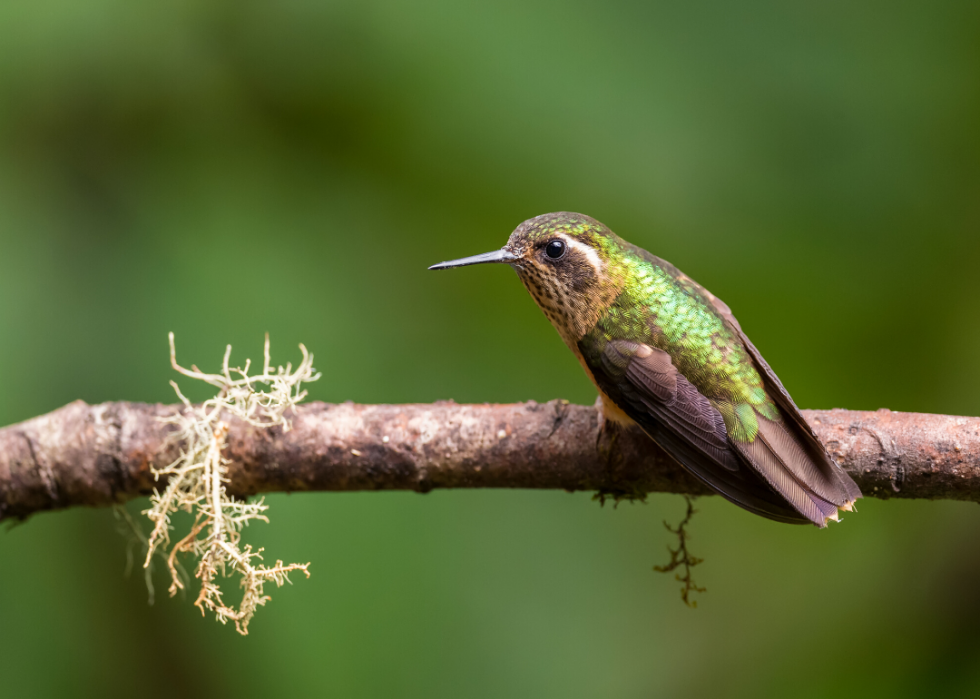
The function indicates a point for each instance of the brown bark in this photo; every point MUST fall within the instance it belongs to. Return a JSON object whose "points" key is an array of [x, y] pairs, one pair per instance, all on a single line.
{"points": [[100, 454]]}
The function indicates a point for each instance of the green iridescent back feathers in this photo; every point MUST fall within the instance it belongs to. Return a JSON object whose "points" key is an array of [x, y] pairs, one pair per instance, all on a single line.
{"points": [[672, 357]]}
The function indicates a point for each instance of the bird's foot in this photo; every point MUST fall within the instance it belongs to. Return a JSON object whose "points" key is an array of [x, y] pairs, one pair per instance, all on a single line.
{"points": [[605, 445], [605, 437]]}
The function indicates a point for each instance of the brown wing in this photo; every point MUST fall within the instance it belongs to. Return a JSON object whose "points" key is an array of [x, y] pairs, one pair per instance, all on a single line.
{"points": [[795, 441], [644, 382]]}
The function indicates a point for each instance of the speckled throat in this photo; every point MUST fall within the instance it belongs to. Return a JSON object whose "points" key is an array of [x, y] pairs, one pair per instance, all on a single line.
{"points": [[572, 314]]}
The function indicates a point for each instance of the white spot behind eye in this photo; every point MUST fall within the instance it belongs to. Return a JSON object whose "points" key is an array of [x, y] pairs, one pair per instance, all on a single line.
{"points": [[590, 254]]}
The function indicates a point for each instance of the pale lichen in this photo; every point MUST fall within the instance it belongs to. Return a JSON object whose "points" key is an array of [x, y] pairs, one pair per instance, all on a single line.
{"points": [[196, 483]]}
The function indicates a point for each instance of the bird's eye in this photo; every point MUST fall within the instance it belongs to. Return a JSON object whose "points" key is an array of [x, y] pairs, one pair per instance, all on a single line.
{"points": [[555, 249]]}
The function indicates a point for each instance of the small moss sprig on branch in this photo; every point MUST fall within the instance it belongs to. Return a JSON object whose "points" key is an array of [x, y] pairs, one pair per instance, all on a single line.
{"points": [[682, 557], [196, 483]]}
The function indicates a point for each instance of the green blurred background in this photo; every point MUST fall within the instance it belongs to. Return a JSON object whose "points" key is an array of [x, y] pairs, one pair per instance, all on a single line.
{"points": [[222, 169]]}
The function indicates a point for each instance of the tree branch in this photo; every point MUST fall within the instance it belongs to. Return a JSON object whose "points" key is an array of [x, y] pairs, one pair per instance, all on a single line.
{"points": [[101, 454]]}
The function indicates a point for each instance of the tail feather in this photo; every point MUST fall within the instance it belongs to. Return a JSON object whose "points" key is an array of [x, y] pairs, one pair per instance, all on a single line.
{"points": [[745, 487], [816, 476], [781, 460]]}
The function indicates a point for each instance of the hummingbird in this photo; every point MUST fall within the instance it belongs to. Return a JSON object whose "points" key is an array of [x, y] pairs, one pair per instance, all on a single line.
{"points": [[668, 356]]}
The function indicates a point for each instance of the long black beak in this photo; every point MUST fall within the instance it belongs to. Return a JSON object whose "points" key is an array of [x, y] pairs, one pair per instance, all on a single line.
{"points": [[502, 255]]}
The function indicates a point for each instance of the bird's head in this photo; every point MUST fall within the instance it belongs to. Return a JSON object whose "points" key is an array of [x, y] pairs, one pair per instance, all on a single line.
{"points": [[566, 262]]}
